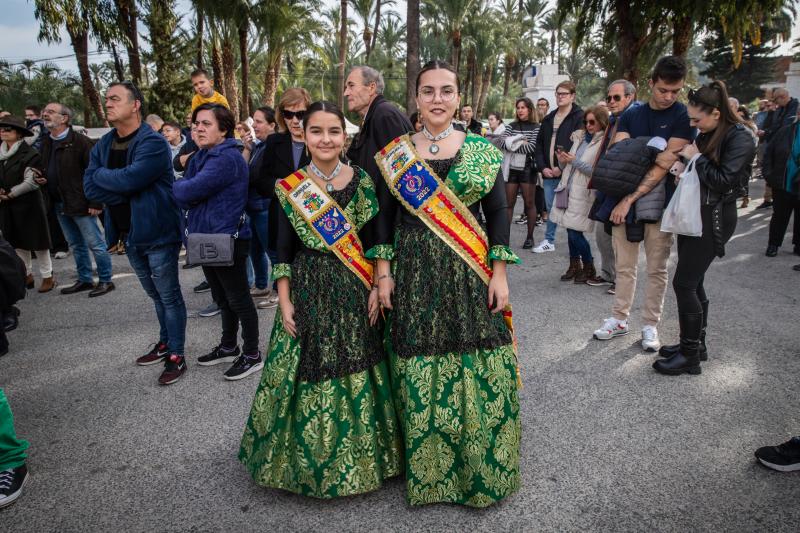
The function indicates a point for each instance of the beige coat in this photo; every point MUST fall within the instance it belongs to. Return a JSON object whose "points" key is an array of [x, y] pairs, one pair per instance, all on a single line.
{"points": [[581, 198]]}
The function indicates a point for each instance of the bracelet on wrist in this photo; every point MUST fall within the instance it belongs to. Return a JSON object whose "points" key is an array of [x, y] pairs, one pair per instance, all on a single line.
{"points": [[384, 276]]}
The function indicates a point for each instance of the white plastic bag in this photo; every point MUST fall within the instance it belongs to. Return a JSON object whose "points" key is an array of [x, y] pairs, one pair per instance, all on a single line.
{"points": [[682, 215]]}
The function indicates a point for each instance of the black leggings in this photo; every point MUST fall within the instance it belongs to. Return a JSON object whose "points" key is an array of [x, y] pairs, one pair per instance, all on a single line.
{"points": [[784, 205], [528, 191], [695, 255], [230, 290]]}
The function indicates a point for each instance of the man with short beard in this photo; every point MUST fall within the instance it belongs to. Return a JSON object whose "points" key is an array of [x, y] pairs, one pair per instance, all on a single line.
{"points": [[65, 156], [132, 163]]}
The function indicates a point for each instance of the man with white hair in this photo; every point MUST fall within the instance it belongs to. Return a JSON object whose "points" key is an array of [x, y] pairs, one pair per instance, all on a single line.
{"points": [[65, 156], [381, 121]]}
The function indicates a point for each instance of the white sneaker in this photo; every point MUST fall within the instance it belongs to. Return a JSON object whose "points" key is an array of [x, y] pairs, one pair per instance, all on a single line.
{"points": [[650, 341], [611, 328], [270, 302], [544, 246], [61, 255]]}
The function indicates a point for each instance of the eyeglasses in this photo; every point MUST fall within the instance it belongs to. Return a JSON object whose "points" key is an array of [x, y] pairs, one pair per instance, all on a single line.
{"points": [[563, 94], [447, 94], [590, 122], [289, 115], [613, 98]]}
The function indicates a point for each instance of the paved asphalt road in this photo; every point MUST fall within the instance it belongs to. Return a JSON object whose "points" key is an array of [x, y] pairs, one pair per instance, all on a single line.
{"points": [[608, 444]]}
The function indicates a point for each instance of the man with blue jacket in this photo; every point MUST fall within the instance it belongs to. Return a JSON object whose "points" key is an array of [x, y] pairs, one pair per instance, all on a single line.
{"points": [[133, 164]]}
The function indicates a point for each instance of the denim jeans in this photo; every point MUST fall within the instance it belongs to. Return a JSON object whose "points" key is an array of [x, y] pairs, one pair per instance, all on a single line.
{"points": [[84, 233], [259, 224], [579, 246], [157, 270], [258, 267], [550, 185]]}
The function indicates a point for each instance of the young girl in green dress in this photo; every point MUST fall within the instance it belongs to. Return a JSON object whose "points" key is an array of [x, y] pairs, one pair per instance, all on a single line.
{"points": [[322, 421]]}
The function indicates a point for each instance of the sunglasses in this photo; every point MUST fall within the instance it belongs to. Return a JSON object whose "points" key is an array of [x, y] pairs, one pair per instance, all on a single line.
{"points": [[5, 129], [289, 115], [613, 98], [590, 122]]}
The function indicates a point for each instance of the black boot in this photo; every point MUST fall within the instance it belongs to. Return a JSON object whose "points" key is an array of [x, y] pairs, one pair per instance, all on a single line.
{"points": [[687, 359], [672, 349], [3, 342]]}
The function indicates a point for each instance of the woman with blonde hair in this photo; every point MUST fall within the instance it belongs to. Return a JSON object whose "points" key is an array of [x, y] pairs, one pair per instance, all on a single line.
{"points": [[284, 152]]}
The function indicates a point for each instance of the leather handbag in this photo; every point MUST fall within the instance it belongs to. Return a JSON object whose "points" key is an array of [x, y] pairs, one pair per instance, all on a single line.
{"points": [[211, 249]]}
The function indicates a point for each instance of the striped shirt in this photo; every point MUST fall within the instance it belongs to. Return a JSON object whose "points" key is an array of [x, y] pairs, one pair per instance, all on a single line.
{"points": [[530, 130]]}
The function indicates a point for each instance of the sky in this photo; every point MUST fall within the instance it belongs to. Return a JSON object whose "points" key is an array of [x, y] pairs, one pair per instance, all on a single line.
{"points": [[19, 28]]}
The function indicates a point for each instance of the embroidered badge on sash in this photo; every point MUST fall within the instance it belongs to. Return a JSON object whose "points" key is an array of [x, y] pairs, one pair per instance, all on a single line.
{"points": [[329, 221]]}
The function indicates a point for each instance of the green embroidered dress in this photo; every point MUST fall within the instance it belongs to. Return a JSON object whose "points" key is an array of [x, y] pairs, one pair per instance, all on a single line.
{"points": [[322, 422], [452, 361]]}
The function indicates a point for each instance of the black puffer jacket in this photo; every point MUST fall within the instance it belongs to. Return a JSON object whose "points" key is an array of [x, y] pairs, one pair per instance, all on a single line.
{"points": [[619, 172], [720, 182]]}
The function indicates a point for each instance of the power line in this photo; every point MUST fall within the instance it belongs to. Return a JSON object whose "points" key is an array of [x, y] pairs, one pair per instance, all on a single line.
{"points": [[69, 56]]}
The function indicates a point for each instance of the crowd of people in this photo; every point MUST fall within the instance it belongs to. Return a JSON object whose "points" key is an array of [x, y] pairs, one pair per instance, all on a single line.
{"points": [[388, 265]]}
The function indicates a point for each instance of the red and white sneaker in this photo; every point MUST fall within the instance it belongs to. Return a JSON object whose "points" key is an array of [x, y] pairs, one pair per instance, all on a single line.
{"points": [[611, 328], [174, 367]]}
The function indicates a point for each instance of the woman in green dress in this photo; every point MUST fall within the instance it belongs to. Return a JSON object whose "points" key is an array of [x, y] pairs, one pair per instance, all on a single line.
{"points": [[453, 363], [322, 422]]}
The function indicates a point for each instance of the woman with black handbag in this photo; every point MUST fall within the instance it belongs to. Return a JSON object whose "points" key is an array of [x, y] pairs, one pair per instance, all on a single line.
{"points": [[214, 191]]}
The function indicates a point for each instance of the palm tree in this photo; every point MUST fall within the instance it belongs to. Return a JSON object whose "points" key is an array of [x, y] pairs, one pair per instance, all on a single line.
{"points": [[453, 14], [80, 18], [279, 25], [342, 52], [412, 53], [128, 15]]}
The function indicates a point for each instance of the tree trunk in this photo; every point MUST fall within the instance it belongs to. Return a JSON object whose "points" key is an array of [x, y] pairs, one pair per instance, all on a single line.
{"points": [[475, 78], [129, 21], [243, 28], [367, 38], [629, 43], [118, 68], [229, 71], [216, 65], [412, 53], [377, 25], [80, 44], [342, 54], [508, 65], [455, 55], [198, 30], [271, 79], [681, 35], [485, 83]]}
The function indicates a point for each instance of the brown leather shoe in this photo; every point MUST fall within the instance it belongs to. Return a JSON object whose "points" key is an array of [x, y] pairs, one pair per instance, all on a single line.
{"points": [[586, 274], [48, 284], [29, 281], [575, 266]]}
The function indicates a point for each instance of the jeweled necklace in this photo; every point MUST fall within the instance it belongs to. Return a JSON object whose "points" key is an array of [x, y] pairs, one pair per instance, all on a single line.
{"points": [[327, 179], [434, 148]]}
